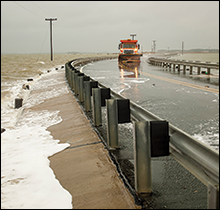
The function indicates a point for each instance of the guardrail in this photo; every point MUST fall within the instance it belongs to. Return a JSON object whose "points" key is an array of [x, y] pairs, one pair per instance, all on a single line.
{"points": [[198, 158], [168, 63]]}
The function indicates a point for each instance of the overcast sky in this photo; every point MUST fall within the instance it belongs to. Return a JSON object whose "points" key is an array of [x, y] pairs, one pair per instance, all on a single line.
{"points": [[98, 26]]}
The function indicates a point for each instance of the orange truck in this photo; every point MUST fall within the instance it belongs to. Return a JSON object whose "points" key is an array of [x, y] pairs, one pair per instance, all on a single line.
{"points": [[129, 51]]}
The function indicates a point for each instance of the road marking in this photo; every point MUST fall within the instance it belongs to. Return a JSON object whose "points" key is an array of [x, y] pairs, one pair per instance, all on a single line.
{"points": [[213, 90]]}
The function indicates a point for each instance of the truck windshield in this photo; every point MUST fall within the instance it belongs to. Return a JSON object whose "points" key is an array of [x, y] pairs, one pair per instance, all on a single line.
{"points": [[128, 45]]}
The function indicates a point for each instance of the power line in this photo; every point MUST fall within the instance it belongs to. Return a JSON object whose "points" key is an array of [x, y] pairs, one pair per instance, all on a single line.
{"points": [[43, 43], [40, 8], [68, 24], [64, 22], [26, 9]]}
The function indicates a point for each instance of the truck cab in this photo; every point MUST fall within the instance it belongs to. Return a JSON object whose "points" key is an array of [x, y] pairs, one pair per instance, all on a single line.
{"points": [[128, 46], [129, 51]]}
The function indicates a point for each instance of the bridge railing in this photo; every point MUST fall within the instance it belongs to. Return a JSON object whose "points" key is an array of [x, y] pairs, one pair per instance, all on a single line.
{"points": [[187, 63], [177, 63]]}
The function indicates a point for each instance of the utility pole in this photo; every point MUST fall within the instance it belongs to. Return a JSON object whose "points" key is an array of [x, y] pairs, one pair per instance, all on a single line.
{"points": [[51, 46], [154, 45], [182, 47], [133, 36]]}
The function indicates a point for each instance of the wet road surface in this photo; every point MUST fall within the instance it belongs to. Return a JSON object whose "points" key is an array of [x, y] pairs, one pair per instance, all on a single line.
{"points": [[186, 102]]}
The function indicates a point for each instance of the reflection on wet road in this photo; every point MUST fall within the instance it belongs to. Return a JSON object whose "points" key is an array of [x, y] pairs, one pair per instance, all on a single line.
{"points": [[187, 103]]}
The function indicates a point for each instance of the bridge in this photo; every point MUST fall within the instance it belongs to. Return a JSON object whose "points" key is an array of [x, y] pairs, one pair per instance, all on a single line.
{"points": [[176, 64]]}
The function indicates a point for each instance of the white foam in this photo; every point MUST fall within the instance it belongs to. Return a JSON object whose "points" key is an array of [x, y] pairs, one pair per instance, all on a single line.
{"points": [[27, 181], [41, 62], [50, 89], [9, 114], [209, 138], [137, 81], [125, 73], [128, 87], [98, 78]]}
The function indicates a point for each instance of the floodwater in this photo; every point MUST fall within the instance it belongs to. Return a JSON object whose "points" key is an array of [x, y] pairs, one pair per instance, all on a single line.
{"points": [[189, 103], [203, 57], [27, 180], [184, 101], [192, 110]]}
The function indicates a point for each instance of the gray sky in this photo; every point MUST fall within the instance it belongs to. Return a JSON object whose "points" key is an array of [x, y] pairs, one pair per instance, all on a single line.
{"points": [[98, 26]]}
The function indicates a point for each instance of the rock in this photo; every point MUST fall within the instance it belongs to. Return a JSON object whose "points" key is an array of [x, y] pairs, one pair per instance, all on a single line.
{"points": [[25, 87], [18, 102]]}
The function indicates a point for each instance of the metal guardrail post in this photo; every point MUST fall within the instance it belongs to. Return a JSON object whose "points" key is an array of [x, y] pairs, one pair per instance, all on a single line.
{"points": [[87, 96], [97, 109], [112, 123], [190, 69], [76, 82], [178, 67], [198, 158], [184, 69], [142, 157], [72, 79], [76, 86], [198, 70], [213, 197], [208, 71], [80, 82], [66, 69], [69, 73]]}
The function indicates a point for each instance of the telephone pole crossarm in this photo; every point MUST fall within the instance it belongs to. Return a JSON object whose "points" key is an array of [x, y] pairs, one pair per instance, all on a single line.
{"points": [[133, 35], [50, 19]]}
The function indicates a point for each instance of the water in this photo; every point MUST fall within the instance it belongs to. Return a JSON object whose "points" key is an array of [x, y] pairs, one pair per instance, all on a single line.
{"points": [[203, 57], [27, 181], [192, 110], [26, 145], [16, 69]]}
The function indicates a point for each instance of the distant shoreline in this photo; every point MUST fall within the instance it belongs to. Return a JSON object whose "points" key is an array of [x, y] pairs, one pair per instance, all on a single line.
{"points": [[198, 52], [184, 52], [146, 52]]}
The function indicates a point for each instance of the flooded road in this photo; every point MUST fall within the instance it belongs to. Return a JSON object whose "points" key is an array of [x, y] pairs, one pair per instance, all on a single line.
{"points": [[188, 102], [185, 101]]}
